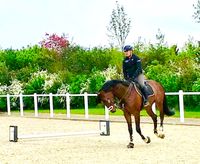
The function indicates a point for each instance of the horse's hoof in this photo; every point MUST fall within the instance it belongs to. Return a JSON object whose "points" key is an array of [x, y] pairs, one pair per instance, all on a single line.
{"points": [[130, 145], [162, 136], [147, 140]]}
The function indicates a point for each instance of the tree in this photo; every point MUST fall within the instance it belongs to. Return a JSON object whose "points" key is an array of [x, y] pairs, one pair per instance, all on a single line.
{"points": [[160, 37], [55, 42], [119, 26], [196, 14]]}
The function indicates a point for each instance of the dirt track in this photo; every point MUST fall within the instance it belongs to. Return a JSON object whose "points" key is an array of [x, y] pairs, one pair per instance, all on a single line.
{"points": [[180, 146]]}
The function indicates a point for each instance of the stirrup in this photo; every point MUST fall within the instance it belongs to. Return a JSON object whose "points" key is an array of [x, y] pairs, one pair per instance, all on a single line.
{"points": [[121, 106], [146, 103]]}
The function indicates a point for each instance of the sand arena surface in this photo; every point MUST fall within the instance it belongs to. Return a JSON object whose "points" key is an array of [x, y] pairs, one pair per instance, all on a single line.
{"points": [[181, 144]]}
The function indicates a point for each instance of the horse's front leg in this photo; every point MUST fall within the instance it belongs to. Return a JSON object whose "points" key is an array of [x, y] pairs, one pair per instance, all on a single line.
{"points": [[130, 129], [137, 124]]}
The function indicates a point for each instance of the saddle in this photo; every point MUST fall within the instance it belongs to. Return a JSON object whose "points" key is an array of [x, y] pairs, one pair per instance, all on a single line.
{"points": [[137, 87], [149, 91]]}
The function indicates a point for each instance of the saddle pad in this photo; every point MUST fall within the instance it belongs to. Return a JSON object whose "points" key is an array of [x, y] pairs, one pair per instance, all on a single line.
{"points": [[138, 89], [149, 90]]}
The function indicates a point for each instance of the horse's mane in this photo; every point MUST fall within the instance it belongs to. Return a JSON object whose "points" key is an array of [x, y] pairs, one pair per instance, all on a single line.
{"points": [[111, 83]]}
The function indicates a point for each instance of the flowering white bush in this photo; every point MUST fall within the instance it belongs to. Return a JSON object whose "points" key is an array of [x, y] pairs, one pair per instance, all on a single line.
{"points": [[49, 79], [44, 82], [15, 88], [63, 90], [98, 78], [3, 89], [111, 73], [85, 86]]}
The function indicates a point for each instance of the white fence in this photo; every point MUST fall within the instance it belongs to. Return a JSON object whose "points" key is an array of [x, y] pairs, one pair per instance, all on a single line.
{"points": [[85, 95], [181, 101]]}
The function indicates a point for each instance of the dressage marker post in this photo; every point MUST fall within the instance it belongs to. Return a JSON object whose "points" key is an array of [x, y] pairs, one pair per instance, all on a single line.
{"points": [[104, 130]]}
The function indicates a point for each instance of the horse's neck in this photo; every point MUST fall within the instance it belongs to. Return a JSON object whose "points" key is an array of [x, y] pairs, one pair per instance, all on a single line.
{"points": [[120, 91]]}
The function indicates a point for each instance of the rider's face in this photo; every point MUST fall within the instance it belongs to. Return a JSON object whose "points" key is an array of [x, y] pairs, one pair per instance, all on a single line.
{"points": [[128, 53]]}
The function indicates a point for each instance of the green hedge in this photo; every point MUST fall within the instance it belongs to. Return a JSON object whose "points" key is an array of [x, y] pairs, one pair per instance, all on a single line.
{"points": [[76, 69]]}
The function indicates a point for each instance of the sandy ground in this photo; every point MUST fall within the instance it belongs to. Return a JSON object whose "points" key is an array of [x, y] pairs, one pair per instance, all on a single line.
{"points": [[180, 146]]}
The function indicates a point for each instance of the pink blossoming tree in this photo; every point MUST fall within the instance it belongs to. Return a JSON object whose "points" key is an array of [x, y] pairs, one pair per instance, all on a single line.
{"points": [[55, 42]]}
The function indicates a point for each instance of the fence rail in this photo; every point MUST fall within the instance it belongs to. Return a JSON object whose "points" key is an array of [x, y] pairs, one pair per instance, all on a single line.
{"points": [[85, 95]]}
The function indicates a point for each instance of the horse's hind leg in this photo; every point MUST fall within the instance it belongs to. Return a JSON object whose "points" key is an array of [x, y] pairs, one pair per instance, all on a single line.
{"points": [[161, 130], [137, 124]]}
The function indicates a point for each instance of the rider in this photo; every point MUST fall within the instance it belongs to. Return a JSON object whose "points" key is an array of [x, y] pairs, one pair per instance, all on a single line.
{"points": [[132, 70]]}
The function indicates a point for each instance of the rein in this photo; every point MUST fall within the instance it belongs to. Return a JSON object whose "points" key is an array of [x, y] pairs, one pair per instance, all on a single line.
{"points": [[127, 92]]}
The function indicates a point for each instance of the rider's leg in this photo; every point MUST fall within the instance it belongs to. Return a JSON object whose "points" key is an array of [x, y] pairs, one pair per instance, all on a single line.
{"points": [[144, 90], [140, 80]]}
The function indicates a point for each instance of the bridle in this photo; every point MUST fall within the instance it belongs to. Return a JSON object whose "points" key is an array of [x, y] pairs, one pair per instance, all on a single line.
{"points": [[110, 108], [128, 91]]}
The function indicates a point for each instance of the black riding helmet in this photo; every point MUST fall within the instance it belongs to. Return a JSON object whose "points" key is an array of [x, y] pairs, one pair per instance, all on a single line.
{"points": [[128, 48]]}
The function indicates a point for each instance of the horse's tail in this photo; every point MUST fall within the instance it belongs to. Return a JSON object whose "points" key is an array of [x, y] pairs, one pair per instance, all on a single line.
{"points": [[167, 111]]}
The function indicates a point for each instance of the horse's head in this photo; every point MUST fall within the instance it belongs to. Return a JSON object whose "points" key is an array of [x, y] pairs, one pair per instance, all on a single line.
{"points": [[106, 93], [107, 98]]}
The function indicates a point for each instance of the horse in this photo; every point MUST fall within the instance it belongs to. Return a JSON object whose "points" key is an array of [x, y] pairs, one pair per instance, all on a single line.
{"points": [[128, 96]]}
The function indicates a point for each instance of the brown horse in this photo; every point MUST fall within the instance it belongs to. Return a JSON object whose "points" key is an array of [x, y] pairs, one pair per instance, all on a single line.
{"points": [[132, 101]]}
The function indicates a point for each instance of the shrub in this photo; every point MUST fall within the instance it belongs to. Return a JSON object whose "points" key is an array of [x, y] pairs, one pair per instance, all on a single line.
{"points": [[3, 91], [196, 88], [15, 88], [75, 87], [43, 82], [78, 58], [167, 78], [5, 77]]}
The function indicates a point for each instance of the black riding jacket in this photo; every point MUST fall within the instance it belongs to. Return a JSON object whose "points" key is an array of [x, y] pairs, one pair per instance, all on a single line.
{"points": [[132, 67]]}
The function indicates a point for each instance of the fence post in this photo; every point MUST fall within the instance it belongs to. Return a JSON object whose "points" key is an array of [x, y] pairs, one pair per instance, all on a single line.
{"points": [[86, 105], [106, 113], [181, 105], [36, 105], [8, 104], [68, 105], [21, 104], [51, 104]]}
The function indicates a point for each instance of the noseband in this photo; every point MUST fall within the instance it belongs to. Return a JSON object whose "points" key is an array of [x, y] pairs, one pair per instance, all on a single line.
{"points": [[110, 108]]}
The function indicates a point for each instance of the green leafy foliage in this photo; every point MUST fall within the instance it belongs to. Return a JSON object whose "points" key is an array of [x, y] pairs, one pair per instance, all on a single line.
{"points": [[196, 88], [79, 70], [84, 61], [167, 78], [5, 77], [75, 87]]}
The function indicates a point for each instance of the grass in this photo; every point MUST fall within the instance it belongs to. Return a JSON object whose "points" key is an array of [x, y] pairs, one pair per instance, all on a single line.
{"points": [[101, 111]]}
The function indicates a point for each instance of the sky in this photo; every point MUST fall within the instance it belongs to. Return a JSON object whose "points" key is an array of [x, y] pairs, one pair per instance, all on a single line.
{"points": [[25, 22]]}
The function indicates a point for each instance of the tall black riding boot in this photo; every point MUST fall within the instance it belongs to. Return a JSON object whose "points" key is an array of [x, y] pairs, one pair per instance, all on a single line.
{"points": [[145, 95]]}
